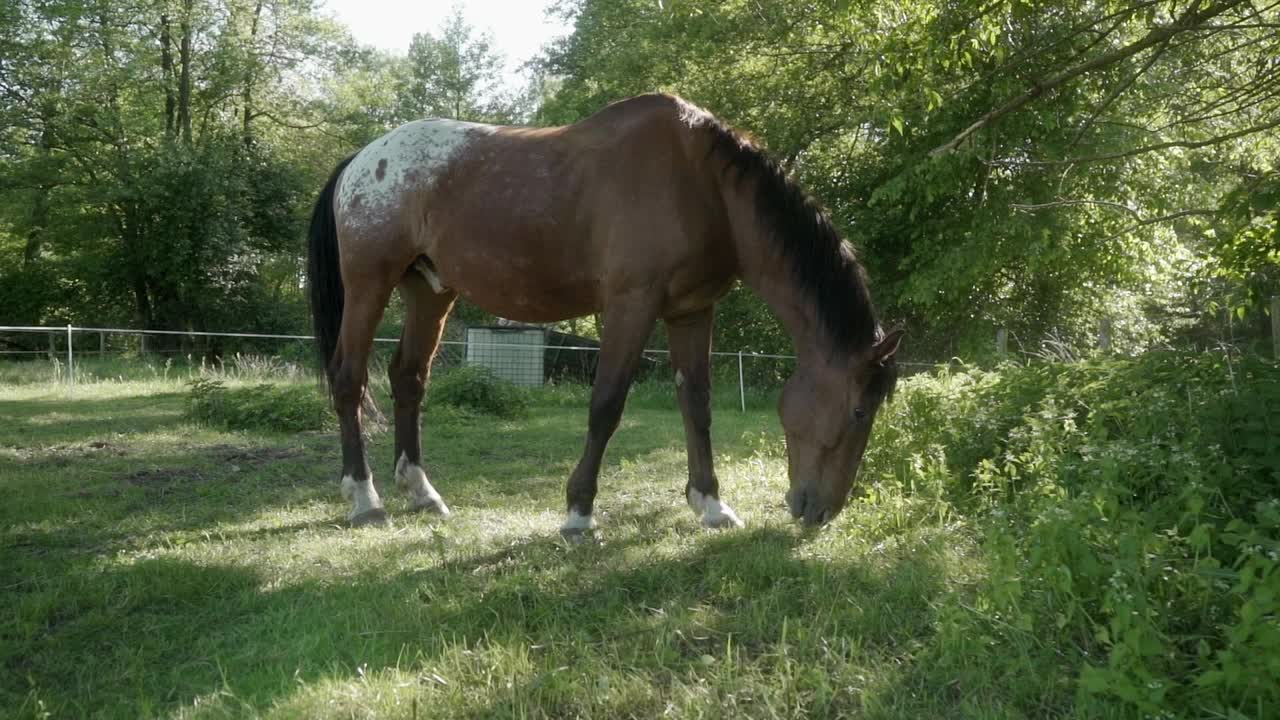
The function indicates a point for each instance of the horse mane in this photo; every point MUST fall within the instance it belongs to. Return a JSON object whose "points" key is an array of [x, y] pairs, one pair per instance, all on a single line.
{"points": [[822, 265]]}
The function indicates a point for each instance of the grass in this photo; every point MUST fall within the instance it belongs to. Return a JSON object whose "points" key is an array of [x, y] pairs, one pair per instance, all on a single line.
{"points": [[154, 568]]}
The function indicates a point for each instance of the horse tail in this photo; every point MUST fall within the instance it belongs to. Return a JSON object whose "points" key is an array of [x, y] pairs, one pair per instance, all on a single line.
{"points": [[324, 277]]}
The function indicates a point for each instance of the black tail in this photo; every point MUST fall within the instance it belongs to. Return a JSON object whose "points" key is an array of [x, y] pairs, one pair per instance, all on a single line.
{"points": [[324, 279]]}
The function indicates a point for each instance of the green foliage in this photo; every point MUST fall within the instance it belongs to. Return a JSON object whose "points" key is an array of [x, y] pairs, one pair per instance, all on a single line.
{"points": [[455, 75], [476, 388], [1130, 512], [1093, 540], [1043, 221], [265, 406]]}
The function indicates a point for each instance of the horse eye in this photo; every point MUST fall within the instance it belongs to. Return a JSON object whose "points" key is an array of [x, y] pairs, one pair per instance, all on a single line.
{"points": [[859, 413]]}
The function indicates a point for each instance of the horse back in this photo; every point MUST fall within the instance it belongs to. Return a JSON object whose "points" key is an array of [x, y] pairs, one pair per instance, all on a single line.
{"points": [[540, 224]]}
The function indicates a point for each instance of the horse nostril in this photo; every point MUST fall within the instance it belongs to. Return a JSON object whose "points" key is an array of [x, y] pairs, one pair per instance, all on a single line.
{"points": [[813, 517]]}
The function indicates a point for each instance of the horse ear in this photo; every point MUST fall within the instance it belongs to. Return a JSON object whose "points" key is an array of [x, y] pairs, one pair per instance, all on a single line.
{"points": [[888, 345]]}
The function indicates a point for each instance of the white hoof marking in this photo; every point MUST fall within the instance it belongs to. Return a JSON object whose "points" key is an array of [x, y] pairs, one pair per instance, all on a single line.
{"points": [[363, 495], [715, 514], [411, 478], [577, 523]]}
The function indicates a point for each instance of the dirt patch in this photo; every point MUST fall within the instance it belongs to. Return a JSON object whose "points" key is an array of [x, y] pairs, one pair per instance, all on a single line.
{"points": [[252, 456], [228, 464], [64, 453], [162, 478]]}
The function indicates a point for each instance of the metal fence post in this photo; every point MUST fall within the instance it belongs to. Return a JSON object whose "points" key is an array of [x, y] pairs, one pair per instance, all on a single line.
{"points": [[1104, 334], [102, 343], [1002, 341], [71, 368], [742, 386]]}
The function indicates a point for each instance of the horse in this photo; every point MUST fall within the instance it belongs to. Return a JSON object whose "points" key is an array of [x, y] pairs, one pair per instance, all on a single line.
{"points": [[650, 209]]}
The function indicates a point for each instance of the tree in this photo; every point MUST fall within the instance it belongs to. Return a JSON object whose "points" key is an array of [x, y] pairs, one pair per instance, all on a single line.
{"points": [[146, 157], [1025, 164], [457, 75]]}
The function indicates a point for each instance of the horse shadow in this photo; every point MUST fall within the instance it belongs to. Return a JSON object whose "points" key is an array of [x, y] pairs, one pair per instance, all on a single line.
{"points": [[199, 630]]}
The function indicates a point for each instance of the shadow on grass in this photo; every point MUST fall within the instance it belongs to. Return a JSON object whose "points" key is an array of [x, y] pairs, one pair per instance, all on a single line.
{"points": [[179, 630], [60, 420]]}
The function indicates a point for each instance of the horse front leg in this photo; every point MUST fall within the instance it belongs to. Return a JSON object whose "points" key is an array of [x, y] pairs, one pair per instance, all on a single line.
{"points": [[626, 329], [689, 337]]}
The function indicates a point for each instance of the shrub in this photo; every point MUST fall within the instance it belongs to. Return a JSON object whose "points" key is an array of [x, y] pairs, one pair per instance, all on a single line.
{"points": [[279, 408], [1129, 513], [477, 389]]}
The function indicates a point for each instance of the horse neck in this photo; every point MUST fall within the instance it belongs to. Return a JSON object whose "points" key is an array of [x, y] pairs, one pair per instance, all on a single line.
{"points": [[768, 273]]}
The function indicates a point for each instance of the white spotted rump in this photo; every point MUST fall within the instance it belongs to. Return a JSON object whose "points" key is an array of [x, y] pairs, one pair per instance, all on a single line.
{"points": [[408, 158]]}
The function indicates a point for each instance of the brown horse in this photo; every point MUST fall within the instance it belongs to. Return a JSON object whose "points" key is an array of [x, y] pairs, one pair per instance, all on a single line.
{"points": [[650, 209]]}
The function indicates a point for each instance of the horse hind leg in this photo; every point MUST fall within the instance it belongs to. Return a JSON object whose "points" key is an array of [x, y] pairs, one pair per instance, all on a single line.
{"points": [[427, 305], [349, 373]]}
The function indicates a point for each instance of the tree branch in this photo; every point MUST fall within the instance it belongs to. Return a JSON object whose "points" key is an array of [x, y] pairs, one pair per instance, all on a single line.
{"points": [[1188, 21], [1163, 218], [1190, 144], [1060, 203], [284, 123], [1117, 92]]}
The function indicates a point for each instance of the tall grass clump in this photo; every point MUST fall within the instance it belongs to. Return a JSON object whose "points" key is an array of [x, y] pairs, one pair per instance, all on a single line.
{"points": [[475, 388], [1130, 517], [264, 406]]}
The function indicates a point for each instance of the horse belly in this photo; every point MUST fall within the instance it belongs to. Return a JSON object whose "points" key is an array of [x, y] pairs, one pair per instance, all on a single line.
{"points": [[525, 281]]}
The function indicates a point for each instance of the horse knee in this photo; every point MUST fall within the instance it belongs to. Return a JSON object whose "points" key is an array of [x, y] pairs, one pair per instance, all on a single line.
{"points": [[606, 412]]}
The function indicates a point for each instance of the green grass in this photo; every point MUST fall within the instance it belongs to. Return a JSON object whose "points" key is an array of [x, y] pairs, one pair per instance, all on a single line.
{"points": [[153, 568]]}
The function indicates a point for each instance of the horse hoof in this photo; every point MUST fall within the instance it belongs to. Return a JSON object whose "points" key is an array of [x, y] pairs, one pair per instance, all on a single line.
{"points": [[581, 536], [434, 506], [373, 517], [722, 522]]}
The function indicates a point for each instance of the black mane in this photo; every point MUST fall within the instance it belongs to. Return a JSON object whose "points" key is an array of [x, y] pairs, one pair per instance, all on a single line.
{"points": [[822, 265]]}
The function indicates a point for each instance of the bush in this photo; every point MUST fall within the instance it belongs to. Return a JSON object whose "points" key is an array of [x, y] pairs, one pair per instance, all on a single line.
{"points": [[279, 408], [477, 389], [1128, 513]]}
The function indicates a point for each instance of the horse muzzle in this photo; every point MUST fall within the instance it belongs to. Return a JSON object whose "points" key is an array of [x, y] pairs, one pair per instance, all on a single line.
{"points": [[806, 506]]}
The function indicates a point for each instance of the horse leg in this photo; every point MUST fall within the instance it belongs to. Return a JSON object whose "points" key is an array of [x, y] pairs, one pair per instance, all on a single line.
{"points": [[689, 337], [349, 377], [621, 344], [425, 313]]}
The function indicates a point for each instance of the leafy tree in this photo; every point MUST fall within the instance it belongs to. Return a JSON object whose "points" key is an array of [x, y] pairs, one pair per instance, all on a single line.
{"points": [[154, 158], [457, 75], [1031, 165]]}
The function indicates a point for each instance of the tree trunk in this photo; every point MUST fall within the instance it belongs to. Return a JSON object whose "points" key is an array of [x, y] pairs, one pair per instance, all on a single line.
{"points": [[250, 76], [184, 78], [166, 67], [40, 208]]}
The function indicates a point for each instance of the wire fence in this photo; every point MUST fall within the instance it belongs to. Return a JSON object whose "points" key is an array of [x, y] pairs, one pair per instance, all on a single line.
{"points": [[526, 356]]}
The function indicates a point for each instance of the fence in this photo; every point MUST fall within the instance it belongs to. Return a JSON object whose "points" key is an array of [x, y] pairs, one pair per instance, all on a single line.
{"points": [[522, 362]]}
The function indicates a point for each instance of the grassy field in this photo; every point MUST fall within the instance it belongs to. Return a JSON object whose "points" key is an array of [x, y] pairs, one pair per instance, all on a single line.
{"points": [[155, 568]]}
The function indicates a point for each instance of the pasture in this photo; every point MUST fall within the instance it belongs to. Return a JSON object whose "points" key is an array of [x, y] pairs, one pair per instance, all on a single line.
{"points": [[154, 567]]}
